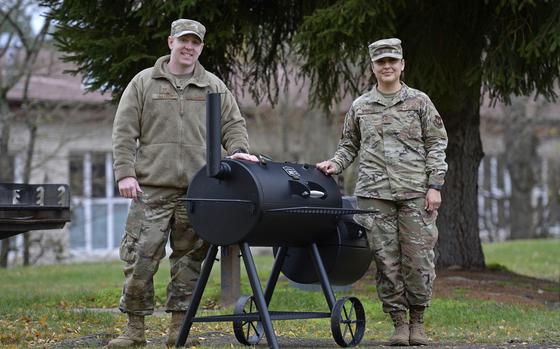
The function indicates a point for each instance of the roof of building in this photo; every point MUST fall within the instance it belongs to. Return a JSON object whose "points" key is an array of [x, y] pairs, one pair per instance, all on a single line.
{"points": [[50, 82]]}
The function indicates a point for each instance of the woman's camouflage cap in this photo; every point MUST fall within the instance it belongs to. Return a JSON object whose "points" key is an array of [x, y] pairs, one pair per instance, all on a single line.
{"points": [[385, 48]]}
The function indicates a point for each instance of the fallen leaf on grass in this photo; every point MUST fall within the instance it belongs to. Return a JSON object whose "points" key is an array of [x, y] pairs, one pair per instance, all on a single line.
{"points": [[43, 321]]}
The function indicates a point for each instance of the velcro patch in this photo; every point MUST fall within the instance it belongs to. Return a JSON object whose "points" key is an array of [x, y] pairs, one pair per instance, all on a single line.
{"points": [[196, 98], [164, 96]]}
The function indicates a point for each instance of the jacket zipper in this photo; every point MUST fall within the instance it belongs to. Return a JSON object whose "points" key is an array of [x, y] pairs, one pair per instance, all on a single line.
{"points": [[180, 163]]}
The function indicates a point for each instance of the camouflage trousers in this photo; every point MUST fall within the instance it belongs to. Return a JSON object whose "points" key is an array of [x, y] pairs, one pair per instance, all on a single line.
{"points": [[402, 236], [152, 220]]}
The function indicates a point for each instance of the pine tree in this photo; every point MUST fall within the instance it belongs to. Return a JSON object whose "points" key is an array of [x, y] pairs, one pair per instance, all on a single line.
{"points": [[455, 51]]}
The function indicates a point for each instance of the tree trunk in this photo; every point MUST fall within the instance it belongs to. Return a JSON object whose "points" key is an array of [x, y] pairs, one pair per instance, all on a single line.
{"points": [[4, 164], [31, 121], [26, 248], [554, 192], [523, 179], [521, 157], [4, 250], [459, 241], [4, 138]]}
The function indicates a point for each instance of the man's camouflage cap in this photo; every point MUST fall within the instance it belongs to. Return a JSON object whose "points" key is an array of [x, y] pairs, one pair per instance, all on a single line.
{"points": [[183, 26], [386, 48]]}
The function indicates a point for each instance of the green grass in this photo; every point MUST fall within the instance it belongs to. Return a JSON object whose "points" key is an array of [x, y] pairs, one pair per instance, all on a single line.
{"points": [[48, 304], [537, 258]]}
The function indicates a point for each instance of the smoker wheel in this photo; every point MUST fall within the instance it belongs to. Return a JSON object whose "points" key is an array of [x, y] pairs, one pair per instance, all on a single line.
{"points": [[348, 322], [247, 332]]}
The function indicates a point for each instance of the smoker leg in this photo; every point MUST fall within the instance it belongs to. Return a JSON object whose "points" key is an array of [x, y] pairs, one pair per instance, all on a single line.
{"points": [[323, 277], [275, 273], [251, 332], [197, 295], [258, 294]]}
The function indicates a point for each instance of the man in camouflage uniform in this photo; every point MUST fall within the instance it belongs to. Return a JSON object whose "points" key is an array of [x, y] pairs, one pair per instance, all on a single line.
{"points": [[400, 138], [159, 143]]}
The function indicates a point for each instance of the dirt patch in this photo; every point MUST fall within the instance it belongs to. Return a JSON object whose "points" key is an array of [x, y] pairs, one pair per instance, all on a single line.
{"points": [[499, 286], [494, 285]]}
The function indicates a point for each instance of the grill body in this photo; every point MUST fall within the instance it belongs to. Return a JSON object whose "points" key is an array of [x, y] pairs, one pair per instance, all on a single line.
{"points": [[264, 204], [292, 207]]}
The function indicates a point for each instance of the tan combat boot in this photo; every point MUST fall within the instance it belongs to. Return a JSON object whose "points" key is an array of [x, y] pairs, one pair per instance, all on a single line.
{"points": [[177, 318], [133, 336], [417, 334], [401, 334]]}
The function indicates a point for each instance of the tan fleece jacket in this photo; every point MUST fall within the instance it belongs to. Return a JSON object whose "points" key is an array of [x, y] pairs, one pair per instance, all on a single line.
{"points": [[159, 131]]}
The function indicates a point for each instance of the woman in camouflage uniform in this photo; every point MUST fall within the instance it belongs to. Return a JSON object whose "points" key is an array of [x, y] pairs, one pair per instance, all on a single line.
{"points": [[400, 139]]}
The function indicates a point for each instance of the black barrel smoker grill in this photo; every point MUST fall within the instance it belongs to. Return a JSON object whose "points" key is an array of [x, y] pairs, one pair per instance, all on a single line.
{"points": [[298, 211]]}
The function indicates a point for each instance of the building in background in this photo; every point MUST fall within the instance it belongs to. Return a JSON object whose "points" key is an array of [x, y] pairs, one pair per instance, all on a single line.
{"points": [[74, 146], [519, 177]]}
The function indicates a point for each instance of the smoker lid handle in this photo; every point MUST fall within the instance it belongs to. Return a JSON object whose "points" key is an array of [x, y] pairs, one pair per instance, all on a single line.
{"points": [[316, 194]]}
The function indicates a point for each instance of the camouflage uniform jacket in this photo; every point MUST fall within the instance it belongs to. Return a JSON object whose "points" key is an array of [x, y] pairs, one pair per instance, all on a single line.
{"points": [[401, 145], [159, 131]]}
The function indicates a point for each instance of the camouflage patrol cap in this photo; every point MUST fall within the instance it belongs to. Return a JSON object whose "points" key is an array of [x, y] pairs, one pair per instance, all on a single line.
{"points": [[183, 26], [385, 48]]}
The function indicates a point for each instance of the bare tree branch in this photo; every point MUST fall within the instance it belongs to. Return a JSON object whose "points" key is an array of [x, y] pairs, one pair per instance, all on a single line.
{"points": [[6, 14], [31, 53], [17, 27], [8, 43]]}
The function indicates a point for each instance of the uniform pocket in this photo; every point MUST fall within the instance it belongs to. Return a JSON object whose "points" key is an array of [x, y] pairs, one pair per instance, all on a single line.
{"points": [[429, 217], [127, 251], [364, 220], [409, 123], [414, 127], [158, 164], [371, 126], [132, 230]]}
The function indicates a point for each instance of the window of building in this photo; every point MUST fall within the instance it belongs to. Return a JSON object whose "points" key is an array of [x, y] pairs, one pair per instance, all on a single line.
{"points": [[98, 212]]}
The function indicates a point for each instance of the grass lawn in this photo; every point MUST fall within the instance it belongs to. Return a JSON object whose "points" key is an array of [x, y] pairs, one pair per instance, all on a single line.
{"points": [[537, 258], [43, 305]]}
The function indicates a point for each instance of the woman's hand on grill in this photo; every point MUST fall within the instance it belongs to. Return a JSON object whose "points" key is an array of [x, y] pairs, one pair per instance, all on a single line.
{"points": [[244, 156], [327, 167]]}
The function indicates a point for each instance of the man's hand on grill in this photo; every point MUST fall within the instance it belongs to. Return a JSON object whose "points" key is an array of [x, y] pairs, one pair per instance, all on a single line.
{"points": [[129, 188], [327, 167], [244, 156]]}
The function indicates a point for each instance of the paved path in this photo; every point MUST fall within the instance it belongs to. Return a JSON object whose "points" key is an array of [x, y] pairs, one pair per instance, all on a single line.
{"points": [[227, 340]]}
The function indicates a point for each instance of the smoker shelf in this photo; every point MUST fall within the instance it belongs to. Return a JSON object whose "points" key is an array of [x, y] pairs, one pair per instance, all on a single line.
{"points": [[321, 210]]}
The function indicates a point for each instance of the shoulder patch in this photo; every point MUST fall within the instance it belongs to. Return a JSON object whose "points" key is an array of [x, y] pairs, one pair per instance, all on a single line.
{"points": [[438, 121]]}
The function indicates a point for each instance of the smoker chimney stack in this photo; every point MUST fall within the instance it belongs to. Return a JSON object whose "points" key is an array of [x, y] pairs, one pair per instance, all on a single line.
{"points": [[214, 167]]}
